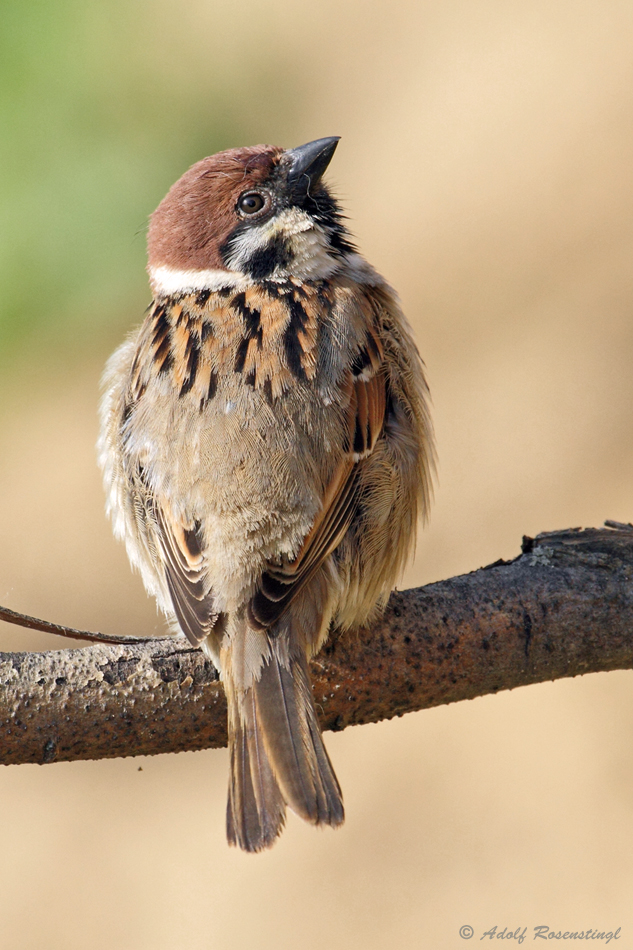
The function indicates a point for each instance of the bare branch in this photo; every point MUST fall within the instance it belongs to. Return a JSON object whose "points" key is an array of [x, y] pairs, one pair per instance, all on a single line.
{"points": [[562, 608], [32, 623]]}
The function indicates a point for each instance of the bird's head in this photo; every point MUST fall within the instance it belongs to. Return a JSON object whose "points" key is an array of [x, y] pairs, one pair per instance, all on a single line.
{"points": [[260, 213]]}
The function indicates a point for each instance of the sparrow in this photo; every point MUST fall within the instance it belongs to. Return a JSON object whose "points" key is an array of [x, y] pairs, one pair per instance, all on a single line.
{"points": [[266, 449]]}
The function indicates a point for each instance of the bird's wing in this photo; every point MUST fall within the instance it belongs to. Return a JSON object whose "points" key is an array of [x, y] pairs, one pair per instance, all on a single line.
{"points": [[185, 569], [365, 393]]}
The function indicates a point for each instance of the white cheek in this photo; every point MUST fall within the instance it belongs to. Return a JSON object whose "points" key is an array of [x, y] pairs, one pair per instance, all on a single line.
{"points": [[245, 246], [257, 237], [308, 244]]}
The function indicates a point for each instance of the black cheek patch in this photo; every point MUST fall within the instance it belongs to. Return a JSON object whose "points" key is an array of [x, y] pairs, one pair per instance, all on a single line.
{"points": [[262, 263], [275, 254]]}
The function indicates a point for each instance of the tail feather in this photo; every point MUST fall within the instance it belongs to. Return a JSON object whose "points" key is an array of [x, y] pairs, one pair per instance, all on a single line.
{"points": [[293, 739], [256, 811], [331, 801], [276, 750]]}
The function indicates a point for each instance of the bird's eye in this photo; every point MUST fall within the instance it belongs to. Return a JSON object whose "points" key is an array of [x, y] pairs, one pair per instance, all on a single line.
{"points": [[251, 202]]}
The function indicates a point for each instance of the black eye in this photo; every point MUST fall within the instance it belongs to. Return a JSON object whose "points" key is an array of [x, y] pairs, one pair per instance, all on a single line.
{"points": [[251, 202]]}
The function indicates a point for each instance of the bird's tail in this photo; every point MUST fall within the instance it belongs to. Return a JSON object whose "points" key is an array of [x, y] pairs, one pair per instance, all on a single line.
{"points": [[277, 753]]}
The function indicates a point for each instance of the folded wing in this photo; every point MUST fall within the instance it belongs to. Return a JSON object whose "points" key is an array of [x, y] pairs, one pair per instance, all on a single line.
{"points": [[365, 393]]}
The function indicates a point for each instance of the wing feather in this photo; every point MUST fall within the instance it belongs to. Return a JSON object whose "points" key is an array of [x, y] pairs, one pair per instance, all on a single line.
{"points": [[185, 574], [366, 393]]}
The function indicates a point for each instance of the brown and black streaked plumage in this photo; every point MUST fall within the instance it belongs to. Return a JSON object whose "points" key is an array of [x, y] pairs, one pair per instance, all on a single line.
{"points": [[266, 449]]}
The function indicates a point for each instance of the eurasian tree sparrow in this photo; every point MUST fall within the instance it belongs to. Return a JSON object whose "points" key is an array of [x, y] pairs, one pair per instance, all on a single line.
{"points": [[266, 450]]}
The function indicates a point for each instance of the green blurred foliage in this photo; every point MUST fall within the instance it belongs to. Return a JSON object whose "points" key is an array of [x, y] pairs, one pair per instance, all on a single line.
{"points": [[103, 104]]}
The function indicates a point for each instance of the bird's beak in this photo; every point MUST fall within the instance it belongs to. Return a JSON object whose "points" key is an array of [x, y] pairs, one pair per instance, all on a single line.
{"points": [[307, 163]]}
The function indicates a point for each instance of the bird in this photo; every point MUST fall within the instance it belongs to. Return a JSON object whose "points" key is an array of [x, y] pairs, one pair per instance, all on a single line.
{"points": [[267, 450]]}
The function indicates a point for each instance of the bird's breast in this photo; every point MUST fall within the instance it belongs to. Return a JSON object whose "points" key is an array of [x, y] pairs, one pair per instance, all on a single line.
{"points": [[264, 338], [231, 403]]}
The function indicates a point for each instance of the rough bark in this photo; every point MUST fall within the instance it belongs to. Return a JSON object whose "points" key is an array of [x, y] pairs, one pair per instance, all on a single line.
{"points": [[562, 608]]}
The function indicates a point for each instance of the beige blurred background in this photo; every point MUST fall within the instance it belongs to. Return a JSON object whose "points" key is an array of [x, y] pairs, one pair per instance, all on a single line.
{"points": [[485, 164]]}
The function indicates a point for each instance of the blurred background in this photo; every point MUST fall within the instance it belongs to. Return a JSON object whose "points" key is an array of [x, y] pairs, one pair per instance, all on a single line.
{"points": [[485, 165]]}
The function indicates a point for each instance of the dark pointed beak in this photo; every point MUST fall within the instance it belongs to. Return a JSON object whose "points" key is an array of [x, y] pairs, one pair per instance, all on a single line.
{"points": [[307, 163]]}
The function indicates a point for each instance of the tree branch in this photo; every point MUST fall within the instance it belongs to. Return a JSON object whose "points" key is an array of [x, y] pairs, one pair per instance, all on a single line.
{"points": [[71, 633], [562, 608]]}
